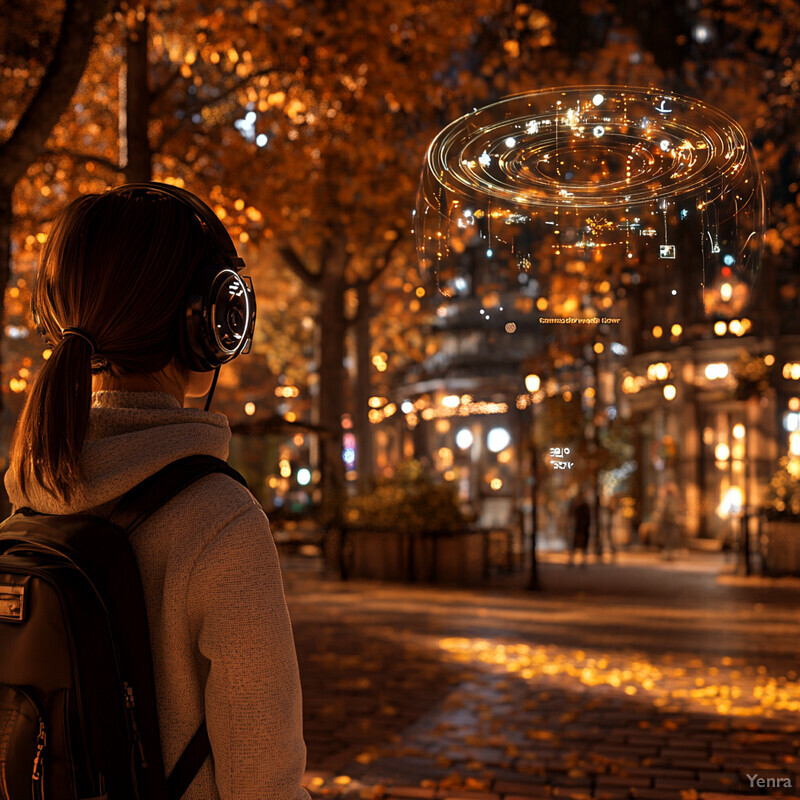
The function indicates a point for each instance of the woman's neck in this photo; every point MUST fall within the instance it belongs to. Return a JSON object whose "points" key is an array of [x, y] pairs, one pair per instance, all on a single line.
{"points": [[137, 383]]}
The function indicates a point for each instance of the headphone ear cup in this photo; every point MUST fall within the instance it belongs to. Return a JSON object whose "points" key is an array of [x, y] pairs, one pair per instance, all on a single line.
{"points": [[217, 317], [195, 321]]}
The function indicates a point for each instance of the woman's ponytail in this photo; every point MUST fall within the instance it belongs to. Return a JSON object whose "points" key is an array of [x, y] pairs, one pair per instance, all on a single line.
{"points": [[53, 424]]}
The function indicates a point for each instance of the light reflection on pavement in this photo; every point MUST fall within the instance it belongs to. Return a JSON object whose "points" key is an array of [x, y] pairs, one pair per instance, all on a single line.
{"points": [[637, 678]]}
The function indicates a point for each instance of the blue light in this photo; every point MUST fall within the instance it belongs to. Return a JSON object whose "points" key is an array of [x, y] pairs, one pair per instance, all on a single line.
{"points": [[729, 260]]}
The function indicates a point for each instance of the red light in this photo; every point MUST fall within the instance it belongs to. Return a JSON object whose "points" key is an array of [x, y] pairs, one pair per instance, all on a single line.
{"points": [[726, 271]]}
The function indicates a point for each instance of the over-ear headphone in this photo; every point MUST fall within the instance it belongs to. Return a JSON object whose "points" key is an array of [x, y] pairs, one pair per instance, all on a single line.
{"points": [[218, 313]]}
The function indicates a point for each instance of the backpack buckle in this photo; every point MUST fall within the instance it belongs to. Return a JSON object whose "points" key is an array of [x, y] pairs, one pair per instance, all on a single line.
{"points": [[12, 602]]}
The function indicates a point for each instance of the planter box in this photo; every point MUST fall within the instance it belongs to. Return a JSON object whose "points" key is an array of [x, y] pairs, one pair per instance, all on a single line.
{"points": [[457, 558], [780, 545]]}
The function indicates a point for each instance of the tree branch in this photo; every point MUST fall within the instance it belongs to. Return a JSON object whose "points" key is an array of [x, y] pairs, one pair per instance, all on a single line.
{"points": [[82, 158], [55, 90], [379, 265], [159, 91], [200, 104], [383, 263], [296, 265]]}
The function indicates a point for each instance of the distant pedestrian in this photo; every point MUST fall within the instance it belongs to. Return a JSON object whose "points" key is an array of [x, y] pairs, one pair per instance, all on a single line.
{"points": [[582, 520], [669, 520]]}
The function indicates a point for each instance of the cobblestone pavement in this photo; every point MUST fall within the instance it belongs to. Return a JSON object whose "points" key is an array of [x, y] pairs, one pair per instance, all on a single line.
{"points": [[640, 679]]}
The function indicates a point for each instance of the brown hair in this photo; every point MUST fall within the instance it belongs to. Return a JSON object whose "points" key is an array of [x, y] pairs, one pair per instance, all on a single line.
{"points": [[115, 265]]}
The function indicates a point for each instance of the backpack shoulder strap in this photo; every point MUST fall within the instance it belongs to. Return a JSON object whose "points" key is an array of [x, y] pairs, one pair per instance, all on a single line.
{"points": [[136, 505], [132, 509], [189, 763]]}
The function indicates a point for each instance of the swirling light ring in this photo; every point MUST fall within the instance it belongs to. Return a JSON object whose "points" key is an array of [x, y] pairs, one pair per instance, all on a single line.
{"points": [[573, 153]]}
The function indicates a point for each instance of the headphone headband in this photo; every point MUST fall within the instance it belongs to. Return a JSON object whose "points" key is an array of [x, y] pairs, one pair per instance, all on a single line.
{"points": [[201, 210]]}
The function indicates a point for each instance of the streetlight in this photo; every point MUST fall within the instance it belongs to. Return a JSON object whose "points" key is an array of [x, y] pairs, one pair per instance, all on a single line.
{"points": [[532, 384]]}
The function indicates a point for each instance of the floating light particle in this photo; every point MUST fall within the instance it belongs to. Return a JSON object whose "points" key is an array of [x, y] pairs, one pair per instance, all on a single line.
{"points": [[701, 32], [598, 99]]}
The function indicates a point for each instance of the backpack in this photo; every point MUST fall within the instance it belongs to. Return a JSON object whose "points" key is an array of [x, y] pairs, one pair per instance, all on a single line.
{"points": [[77, 698]]}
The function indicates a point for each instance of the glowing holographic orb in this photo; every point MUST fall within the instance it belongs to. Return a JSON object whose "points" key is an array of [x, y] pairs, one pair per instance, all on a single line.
{"points": [[611, 182]]}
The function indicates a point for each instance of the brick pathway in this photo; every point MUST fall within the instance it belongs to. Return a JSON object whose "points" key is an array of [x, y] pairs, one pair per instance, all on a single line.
{"points": [[636, 680]]}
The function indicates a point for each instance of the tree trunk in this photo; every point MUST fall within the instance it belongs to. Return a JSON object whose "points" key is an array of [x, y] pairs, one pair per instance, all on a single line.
{"points": [[6, 218], [364, 458], [134, 145], [533, 577], [332, 382]]}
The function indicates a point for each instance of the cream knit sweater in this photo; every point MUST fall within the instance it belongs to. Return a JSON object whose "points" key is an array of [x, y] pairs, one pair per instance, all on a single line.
{"points": [[221, 636]]}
